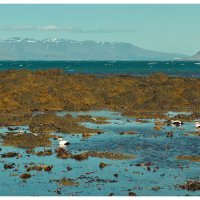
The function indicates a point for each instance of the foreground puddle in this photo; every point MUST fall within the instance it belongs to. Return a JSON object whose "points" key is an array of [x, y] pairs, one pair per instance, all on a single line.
{"points": [[153, 171]]}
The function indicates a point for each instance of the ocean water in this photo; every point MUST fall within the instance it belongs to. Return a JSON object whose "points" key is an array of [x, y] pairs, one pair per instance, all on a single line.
{"points": [[148, 145], [135, 68]]}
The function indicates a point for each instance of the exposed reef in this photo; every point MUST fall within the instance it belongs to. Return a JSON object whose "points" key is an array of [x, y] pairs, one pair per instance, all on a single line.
{"points": [[52, 90]]}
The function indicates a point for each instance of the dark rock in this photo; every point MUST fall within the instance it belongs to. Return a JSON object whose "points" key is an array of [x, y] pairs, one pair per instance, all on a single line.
{"points": [[62, 153], [9, 155], [9, 166], [69, 168], [191, 185], [82, 156], [100, 132], [47, 168], [128, 132], [131, 194], [102, 165], [25, 176]]}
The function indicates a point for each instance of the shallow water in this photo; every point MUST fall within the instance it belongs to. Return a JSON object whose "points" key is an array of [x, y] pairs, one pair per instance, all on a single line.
{"points": [[147, 145]]}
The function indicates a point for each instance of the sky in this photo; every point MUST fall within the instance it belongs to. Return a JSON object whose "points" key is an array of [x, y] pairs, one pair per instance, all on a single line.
{"points": [[165, 28]]}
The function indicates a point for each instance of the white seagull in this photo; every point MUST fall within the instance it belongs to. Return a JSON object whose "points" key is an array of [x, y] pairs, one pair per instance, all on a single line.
{"points": [[197, 124], [93, 118], [35, 134], [63, 143]]}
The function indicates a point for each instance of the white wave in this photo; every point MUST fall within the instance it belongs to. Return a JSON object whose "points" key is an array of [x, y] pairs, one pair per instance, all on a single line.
{"points": [[152, 63]]}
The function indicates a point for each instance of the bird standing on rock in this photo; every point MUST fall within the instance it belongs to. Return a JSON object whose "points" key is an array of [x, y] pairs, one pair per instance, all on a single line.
{"points": [[63, 143], [197, 124]]}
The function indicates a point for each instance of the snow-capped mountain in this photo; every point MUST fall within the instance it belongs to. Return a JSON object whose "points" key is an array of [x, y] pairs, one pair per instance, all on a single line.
{"points": [[64, 49], [196, 56]]}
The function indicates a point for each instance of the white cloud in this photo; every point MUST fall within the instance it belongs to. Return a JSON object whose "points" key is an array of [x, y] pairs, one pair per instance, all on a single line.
{"points": [[63, 29], [47, 28]]}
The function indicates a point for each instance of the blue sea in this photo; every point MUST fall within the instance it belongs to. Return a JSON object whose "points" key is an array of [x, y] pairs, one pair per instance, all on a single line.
{"points": [[135, 68]]}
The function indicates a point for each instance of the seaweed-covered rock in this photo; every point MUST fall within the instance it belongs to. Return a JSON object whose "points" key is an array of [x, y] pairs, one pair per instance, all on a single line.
{"points": [[131, 194], [62, 153], [190, 158], [25, 176], [191, 185], [9, 155], [128, 132], [9, 166], [82, 156], [27, 140], [67, 182]]}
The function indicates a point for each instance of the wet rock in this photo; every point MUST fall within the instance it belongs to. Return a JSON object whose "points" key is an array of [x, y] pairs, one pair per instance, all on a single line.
{"points": [[27, 140], [190, 158], [14, 174], [62, 153], [82, 156], [156, 188], [25, 176], [35, 167], [69, 168], [128, 132], [160, 123], [89, 172], [102, 165], [116, 175], [139, 164], [99, 180], [131, 194], [100, 132], [157, 128], [67, 182], [162, 175], [110, 155], [48, 168], [191, 185], [10, 155], [195, 133], [148, 168], [44, 153], [57, 191], [86, 134], [9, 166], [30, 151]]}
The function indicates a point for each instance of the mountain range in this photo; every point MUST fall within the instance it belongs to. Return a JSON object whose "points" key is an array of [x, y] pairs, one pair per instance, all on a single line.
{"points": [[63, 49], [196, 56]]}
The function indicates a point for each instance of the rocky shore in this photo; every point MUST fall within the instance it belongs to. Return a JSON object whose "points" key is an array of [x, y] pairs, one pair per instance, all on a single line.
{"points": [[52, 90]]}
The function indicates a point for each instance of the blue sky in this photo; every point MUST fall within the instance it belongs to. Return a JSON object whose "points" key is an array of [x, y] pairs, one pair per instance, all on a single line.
{"points": [[167, 28]]}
